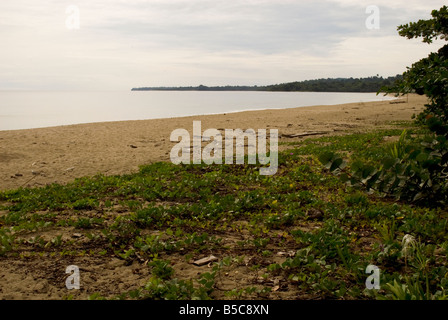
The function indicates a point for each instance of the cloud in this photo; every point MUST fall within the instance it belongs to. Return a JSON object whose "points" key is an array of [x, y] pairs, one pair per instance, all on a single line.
{"points": [[121, 44]]}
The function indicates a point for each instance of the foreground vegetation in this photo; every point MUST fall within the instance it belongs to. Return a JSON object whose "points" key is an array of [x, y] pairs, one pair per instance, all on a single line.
{"points": [[300, 234]]}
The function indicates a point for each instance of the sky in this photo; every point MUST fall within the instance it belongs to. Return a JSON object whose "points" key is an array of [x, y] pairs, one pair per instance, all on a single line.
{"points": [[117, 45]]}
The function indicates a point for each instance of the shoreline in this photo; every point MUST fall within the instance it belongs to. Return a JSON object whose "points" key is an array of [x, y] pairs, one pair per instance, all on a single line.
{"points": [[15, 121], [40, 156]]}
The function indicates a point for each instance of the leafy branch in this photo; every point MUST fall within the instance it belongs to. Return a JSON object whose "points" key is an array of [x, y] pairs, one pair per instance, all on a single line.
{"points": [[416, 172]]}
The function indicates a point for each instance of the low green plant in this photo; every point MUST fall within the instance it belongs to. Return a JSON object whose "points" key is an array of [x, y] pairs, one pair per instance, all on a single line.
{"points": [[6, 241], [416, 172], [161, 269], [410, 290]]}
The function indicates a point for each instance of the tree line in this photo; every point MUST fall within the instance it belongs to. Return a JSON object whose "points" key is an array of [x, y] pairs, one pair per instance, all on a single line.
{"points": [[369, 84]]}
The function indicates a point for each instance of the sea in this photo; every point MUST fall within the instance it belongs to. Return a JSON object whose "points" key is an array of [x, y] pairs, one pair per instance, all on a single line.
{"points": [[38, 109]]}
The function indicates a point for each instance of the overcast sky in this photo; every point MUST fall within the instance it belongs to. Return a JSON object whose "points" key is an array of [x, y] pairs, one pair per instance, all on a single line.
{"points": [[124, 44]]}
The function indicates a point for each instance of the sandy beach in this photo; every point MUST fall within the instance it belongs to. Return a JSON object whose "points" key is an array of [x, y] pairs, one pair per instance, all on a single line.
{"points": [[36, 157]]}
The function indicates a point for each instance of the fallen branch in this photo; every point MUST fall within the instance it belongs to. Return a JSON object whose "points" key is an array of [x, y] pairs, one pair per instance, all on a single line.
{"points": [[305, 134]]}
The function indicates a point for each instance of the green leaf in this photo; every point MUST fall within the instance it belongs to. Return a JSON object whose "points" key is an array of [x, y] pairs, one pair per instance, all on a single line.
{"points": [[336, 164], [372, 180], [367, 171], [326, 157], [344, 177], [388, 163], [422, 157]]}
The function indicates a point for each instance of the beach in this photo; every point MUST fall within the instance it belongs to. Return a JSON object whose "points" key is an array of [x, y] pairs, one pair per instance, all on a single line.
{"points": [[37, 157], [35, 267]]}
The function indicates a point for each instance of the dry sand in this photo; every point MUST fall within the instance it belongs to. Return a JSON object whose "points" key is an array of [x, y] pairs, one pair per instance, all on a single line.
{"points": [[36, 157]]}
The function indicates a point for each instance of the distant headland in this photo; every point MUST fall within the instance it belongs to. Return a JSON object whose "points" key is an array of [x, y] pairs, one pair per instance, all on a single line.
{"points": [[369, 84]]}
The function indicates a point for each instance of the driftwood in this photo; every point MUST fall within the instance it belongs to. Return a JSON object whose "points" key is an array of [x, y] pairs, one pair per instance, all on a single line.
{"points": [[395, 102], [305, 134], [205, 261]]}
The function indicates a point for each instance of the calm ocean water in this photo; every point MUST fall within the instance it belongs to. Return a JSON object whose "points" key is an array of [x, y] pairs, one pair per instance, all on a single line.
{"points": [[30, 109]]}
